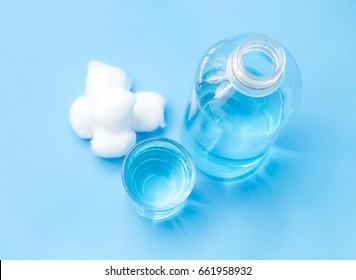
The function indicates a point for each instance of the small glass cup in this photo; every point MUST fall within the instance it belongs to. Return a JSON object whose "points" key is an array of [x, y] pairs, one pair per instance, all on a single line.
{"points": [[158, 176]]}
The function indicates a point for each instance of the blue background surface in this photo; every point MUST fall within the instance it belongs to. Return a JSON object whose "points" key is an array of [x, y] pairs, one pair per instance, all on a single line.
{"points": [[59, 201]]}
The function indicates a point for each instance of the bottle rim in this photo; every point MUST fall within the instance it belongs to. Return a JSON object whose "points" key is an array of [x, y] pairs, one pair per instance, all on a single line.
{"points": [[240, 74]]}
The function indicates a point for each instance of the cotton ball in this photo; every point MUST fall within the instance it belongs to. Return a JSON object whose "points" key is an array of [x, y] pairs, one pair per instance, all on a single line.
{"points": [[80, 117], [109, 144], [148, 112], [113, 108], [102, 77]]}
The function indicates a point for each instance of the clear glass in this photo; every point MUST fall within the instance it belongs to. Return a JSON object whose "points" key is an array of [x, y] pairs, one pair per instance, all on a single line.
{"points": [[245, 90], [158, 176]]}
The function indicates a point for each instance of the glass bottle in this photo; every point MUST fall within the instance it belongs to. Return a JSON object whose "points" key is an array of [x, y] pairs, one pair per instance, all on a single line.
{"points": [[245, 90]]}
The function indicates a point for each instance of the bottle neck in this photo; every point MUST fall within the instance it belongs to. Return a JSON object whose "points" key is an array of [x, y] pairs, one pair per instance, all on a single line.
{"points": [[256, 67]]}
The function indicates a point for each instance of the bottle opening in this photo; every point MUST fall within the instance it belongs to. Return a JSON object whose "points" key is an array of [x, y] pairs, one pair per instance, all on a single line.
{"points": [[258, 63]]}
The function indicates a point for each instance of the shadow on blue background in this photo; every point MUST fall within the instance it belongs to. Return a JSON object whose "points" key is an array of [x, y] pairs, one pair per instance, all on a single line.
{"points": [[259, 184]]}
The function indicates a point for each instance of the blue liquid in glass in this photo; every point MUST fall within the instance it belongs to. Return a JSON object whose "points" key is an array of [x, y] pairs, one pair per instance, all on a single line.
{"points": [[158, 176]]}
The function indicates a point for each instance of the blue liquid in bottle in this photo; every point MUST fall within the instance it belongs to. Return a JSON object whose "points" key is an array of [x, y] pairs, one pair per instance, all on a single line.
{"points": [[243, 95]]}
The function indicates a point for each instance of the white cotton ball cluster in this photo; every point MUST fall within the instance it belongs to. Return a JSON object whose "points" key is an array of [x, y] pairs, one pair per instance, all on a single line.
{"points": [[148, 112], [81, 117], [110, 113], [103, 77], [113, 109], [108, 143]]}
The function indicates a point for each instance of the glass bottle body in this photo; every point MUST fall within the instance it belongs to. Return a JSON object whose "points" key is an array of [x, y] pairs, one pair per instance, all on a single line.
{"points": [[245, 90]]}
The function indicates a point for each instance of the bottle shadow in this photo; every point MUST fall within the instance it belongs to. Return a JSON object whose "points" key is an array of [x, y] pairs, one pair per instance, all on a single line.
{"points": [[211, 196]]}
